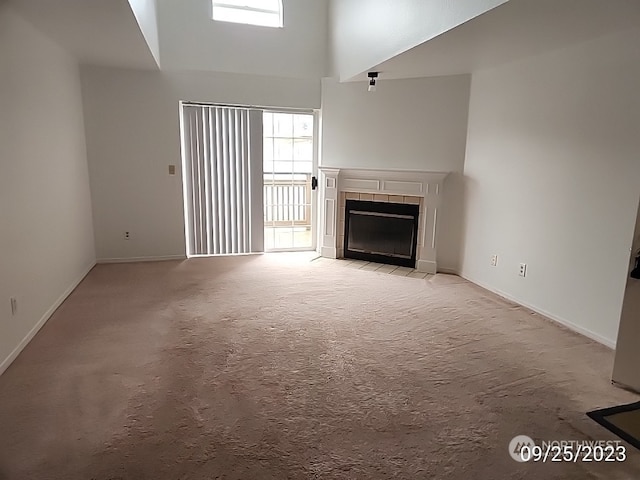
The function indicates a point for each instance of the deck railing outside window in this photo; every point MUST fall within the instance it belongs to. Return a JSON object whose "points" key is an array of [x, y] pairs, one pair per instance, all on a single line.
{"points": [[287, 201]]}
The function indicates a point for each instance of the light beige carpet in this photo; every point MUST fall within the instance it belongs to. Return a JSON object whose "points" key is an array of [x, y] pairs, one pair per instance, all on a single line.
{"points": [[275, 367]]}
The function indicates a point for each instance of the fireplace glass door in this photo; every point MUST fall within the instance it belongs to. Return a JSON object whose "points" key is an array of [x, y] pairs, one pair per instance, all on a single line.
{"points": [[381, 232]]}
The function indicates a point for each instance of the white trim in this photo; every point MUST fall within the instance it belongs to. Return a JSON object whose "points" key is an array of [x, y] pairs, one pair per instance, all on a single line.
{"points": [[241, 106], [624, 386], [315, 194], [375, 172], [449, 271], [329, 252], [36, 328], [184, 175], [562, 321], [426, 266], [289, 250], [141, 259]]}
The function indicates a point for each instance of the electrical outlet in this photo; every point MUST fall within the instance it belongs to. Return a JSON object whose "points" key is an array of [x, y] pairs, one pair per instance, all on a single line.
{"points": [[494, 260], [14, 305], [523, 270], [127, 235]]}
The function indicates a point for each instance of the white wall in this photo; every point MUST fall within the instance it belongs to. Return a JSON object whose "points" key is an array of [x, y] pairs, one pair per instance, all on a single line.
{"points": [[412, 124], [191, 40], [552, 180], [97, 32], [132, 123], [365, 33], [625, 369], [46, 235], [147, 17]]}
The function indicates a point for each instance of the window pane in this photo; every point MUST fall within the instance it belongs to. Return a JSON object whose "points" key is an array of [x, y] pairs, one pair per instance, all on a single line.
{"points": [[303, 126], [283, 125], [303, 167], [273, 5], [283, 149], [303, 149], [235, 15], [302, 237], [267, 155], [267, 149], [282, 167], [284, 238], [267, 124]]}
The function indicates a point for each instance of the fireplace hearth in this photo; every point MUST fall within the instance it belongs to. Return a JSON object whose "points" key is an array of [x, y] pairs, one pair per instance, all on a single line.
{"points": [[381, 232]]}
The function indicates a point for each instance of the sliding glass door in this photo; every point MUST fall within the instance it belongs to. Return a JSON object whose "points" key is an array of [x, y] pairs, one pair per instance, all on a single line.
{"points": [[248, 179], [289, 165]]}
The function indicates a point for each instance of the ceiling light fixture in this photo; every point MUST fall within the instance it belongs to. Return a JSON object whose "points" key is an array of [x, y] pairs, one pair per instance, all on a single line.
{"points": [[373, 76]]}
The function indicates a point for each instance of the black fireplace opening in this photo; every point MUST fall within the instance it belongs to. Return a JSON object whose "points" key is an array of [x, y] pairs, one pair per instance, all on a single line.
{"points": [[381, 232]]}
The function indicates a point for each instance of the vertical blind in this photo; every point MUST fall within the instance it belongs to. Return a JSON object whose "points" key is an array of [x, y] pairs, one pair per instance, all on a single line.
{"points": [[222, 162]]}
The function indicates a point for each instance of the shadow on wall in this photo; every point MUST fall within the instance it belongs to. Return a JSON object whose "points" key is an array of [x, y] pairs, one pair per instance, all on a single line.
{"points": [[466, 187], [451, 224]]}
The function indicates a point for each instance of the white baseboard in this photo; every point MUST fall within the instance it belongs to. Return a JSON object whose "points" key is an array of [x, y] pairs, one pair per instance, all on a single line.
{"points": [[36, 328], [562, 321], [448, 271], [625, 386], [141, 259]]}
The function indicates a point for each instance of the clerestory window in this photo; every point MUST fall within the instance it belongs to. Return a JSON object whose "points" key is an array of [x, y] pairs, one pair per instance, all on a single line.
{"points": [[265, 13]]}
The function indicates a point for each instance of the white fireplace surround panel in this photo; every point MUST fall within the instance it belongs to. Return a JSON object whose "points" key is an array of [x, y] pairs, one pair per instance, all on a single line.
{"points": [[424, 185]]}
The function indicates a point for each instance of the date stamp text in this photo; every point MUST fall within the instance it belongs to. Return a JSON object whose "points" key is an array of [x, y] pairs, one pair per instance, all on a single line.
{"points": [[523, 449]]}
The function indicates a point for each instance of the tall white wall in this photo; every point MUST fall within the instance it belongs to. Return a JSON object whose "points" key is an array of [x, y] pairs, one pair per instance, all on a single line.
{"points": [[552, 180], [46, 235], [412, 124], [191, 40], [146, 15], [133, 134], [365, 33], [625, 368]]}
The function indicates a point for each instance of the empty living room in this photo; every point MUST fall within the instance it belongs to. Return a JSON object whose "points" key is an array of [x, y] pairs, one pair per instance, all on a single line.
{"points": [[319, 239]]}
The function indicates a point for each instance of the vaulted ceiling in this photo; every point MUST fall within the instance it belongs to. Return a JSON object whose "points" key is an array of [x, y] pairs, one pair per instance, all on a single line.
{"points": [[111, 33], [516, 29], [101, 32]]}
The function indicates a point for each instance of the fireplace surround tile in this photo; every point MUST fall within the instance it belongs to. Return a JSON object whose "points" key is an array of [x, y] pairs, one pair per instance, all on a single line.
{"points": [[351, 195]]}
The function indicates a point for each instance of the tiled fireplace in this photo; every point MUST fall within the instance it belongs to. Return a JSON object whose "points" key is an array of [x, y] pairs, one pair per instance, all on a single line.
{"points": [[337, 185]]}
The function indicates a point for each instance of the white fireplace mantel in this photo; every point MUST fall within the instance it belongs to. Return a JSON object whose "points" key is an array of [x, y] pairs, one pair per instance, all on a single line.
{"points": [[426, 186]]}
